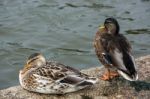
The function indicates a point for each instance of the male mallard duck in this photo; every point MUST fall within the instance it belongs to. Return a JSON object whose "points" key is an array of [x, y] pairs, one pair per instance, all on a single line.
{"points": [[52, 77], [114, 51]]}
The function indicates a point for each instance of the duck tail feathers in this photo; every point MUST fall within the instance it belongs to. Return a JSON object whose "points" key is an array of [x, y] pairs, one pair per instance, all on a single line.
{"points": [[88, 81], [130, 77]]}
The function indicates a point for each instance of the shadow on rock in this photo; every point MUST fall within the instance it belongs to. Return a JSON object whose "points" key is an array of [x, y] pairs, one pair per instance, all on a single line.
{"points": [[86, 97], [140, 85]]}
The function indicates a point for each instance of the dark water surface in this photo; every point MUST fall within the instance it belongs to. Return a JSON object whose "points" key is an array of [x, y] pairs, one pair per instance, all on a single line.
{"points": [[63, 30]]}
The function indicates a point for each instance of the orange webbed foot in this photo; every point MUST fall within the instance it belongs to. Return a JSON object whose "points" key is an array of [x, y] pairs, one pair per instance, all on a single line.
{"points": [[113, 74], [109, 75], [105, 77]]}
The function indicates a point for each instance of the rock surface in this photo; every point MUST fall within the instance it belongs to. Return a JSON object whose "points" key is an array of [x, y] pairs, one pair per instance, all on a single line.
{"points": [[118, 88]]}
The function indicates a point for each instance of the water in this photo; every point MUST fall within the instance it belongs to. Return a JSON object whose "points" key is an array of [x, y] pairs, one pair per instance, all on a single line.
{"points": [[63, 30]]}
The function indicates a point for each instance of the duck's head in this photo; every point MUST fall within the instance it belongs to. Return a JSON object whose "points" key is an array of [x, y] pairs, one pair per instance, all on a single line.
{"points": [[35, 59], [111, 26]]}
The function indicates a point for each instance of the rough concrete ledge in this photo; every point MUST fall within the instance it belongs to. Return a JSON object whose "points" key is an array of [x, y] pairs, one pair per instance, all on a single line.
{"points": [[118, 88]]}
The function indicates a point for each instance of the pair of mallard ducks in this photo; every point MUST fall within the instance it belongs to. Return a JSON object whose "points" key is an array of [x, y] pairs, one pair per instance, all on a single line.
{"points": [[112, 49]]}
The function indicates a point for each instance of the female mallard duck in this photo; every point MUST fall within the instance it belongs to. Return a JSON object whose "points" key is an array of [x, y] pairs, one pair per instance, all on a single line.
{"points": [[52, 77], [114, 52]]}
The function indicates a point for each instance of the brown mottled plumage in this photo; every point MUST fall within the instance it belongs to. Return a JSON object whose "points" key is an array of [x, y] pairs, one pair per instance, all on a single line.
{"points": [[114, 51], [51, 77]]}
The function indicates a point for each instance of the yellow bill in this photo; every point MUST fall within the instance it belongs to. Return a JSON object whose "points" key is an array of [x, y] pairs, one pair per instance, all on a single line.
{"points": [[101, 27]]}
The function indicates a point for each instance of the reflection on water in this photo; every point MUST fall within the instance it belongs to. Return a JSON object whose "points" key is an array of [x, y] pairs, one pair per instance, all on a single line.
{"points": [[92, 5], [63, 30], [138, 31]]}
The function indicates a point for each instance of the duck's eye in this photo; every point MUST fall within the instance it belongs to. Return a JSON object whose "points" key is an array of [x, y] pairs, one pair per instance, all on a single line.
{"points": [[111, 25]]}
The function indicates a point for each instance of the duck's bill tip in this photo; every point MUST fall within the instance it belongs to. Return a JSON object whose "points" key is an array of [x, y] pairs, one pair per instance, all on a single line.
{"points": [[101, 27]]}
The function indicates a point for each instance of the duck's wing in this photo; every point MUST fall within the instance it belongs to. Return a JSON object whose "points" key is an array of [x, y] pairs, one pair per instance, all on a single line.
{"points": [[62, 67], [125, 64], [50, 72], [60, 73]]}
